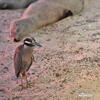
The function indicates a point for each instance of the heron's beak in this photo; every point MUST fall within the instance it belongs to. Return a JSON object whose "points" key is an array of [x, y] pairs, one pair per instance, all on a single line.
{"points": [[37, 44]]}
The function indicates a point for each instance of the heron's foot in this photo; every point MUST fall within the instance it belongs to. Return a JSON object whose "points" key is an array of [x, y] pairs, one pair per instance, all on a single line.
{"points": [[25, 85], [21, 87]]}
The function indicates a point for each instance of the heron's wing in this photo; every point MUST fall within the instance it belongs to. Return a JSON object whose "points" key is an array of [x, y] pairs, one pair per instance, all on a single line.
{"points": [[18, 60], [30, 64], [33, 59]]}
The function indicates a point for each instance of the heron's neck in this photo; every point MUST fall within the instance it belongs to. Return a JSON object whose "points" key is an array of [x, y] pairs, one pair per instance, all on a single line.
{"points": [[28, 48]]}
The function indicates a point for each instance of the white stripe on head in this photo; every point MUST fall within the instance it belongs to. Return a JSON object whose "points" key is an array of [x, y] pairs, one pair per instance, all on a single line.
{"points": [[28, 42]]}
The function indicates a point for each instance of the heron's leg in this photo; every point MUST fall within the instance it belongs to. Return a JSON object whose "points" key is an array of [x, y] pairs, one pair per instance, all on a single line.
{"points": [[26, 79], [21, 77], [17, 81]]}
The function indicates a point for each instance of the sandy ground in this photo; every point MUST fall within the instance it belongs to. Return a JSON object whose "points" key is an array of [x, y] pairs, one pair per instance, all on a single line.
{"points": [[67, 67]]}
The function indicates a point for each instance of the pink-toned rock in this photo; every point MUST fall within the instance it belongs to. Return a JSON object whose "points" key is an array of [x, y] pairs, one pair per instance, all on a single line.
{"points": [[42, 13]]}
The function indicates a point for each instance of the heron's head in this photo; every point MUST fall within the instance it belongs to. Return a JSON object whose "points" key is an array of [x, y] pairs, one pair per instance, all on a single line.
{"points": [[31, 42]]}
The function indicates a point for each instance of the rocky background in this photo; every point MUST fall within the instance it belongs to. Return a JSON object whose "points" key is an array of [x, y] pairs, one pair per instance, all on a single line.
{"points": [[67, 67]]}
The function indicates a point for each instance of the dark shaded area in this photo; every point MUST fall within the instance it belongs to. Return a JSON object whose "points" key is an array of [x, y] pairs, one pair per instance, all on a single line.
{"points": [[66, 13], [4, 6], [15, 40], [30, 3]]}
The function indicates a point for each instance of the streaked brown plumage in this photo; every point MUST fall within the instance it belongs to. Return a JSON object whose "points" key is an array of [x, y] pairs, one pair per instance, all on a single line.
{"points": [[23, 58]]}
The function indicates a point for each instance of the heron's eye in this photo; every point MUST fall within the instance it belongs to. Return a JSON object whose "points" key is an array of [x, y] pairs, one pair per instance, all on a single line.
{"points": [[33, 41]]}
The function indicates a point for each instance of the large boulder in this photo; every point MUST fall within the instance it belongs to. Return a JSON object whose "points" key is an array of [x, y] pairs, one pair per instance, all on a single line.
{"points": [[42, 13], [14, 4]]}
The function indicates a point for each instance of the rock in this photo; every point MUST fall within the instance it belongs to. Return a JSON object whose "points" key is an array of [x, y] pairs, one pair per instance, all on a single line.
{"points": [[42, 13], [14, 4]]}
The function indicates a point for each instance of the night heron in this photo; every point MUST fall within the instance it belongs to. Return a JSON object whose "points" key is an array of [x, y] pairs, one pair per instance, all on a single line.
{"points": [[23, 58]]}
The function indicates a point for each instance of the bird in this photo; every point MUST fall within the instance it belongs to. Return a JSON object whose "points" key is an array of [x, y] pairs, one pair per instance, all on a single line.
{"points": [[23, 58]]}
